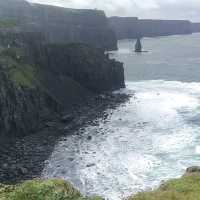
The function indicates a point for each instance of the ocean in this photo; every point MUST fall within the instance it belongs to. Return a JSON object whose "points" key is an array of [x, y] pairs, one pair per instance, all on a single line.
{"points": [[151, 138]]}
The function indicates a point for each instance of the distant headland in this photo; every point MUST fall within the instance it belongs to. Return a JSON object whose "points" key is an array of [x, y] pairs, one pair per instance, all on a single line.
{"points": [[132, 27]]}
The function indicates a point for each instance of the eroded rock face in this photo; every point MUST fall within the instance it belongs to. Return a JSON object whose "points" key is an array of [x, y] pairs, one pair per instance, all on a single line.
{"points": [[38, 80], [88, 66], [61, 25], [196, 27], [194, 170], [132, 27], [23, 103]]}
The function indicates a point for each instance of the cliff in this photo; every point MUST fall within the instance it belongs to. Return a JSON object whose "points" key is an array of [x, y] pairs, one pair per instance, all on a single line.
{"points": [[195, 27], [88, 66], [61, 25], [38, 80], [131, 27]]}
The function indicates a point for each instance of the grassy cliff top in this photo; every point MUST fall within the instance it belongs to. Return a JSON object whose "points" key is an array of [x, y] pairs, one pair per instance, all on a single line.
{"points": [[185, 188], [42, 190]]}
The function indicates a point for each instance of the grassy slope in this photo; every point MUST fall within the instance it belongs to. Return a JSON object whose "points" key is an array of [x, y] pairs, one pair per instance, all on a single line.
{"points": [[19, 73], [8, 23], [42, 190], [185, 188]]}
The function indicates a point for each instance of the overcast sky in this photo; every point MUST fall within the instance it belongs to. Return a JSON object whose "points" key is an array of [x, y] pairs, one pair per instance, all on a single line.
{"points": [[163, 9]]}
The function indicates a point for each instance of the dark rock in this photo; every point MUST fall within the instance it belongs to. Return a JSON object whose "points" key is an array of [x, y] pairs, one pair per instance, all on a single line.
{"points": [[61, 25], [90, 165], [67, 118], [89, 137], [23, 170], [71, 159], [132, 27], [5, 166], [66, 75], [196, 27], [86, 65], [194, 169], [51, 124]]}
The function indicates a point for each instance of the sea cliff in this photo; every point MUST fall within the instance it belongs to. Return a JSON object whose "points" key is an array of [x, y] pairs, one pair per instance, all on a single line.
{"points": [[132, 27], [39, 80], [61, 25]]}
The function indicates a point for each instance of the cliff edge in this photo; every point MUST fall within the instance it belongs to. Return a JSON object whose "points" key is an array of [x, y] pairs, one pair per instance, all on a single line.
{"points": [[39, 80], [132, 27], [61, 25]]}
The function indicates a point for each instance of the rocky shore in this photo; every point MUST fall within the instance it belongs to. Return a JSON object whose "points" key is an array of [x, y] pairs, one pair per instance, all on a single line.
{"points": [[25, 158], [54, 78]]}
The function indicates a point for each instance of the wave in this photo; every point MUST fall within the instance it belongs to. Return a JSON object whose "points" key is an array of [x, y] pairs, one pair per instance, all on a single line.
{"points": [[151, 138]]}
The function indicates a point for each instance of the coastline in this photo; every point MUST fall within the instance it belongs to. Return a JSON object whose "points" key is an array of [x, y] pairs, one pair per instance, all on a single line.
{"points": [[25, 158]]}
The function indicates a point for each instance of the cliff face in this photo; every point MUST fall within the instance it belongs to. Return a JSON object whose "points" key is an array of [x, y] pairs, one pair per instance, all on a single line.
{"points": [[131, 27], [61, 25], [38, 80], [88, 66], [196, 27], [22, 100]]}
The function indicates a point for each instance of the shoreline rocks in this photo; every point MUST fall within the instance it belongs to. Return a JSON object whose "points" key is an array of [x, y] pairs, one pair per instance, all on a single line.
{"points": [[194, 170], [29, 154]]}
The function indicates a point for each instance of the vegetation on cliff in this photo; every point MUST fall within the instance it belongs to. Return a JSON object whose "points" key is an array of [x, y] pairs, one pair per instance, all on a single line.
{"points": [[8, 23], [21, 74], [185, 188], [37, 80], [42, 190]]}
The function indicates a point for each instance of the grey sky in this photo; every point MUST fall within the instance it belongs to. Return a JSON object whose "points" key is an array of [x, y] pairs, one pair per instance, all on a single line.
{"points": [[164, 9]]}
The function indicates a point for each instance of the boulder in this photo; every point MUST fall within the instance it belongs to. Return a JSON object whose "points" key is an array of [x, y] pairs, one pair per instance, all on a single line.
{"points": [[193, 169]]}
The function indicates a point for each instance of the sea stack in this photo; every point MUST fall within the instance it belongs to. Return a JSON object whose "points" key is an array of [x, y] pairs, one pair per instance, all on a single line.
{"points": [[138, 46]]}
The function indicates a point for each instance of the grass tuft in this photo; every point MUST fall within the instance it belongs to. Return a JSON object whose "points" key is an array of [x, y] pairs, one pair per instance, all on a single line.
{"points": [[8, 23], [22, 75], [185, 188], [42, 190]]}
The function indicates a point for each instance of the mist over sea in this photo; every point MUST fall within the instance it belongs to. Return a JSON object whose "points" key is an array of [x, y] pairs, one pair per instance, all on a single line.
{"points": [[151, 138]]}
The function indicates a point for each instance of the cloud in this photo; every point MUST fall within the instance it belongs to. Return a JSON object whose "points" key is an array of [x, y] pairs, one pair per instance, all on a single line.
{"points": [[164, 9]]}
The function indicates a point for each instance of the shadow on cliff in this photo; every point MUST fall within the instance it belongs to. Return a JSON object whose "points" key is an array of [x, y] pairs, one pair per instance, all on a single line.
{"points": [[25, 158]]}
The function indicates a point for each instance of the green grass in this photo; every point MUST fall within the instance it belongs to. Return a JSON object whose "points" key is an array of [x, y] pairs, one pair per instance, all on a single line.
{"points": [[185, 188], [42, 190], [13, 52], [22, 75], [8, 23]]}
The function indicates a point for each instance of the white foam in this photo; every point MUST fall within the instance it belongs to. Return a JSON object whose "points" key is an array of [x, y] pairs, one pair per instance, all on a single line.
{"points": [[145, 141], [197, 150]]}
